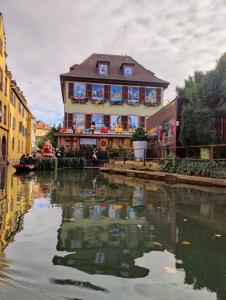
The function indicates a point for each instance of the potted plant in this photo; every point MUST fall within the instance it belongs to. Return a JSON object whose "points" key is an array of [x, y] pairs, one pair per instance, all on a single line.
{"points": [[139, 138]]}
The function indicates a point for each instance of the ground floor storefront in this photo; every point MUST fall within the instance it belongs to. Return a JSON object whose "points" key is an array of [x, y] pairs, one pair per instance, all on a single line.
{"points": [[102, 142]]}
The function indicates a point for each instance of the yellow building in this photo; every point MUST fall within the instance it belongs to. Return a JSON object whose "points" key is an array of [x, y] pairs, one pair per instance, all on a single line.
{"points": [[20, 125], [41, 129], [4, 92], [16, 120], [106, 97]]}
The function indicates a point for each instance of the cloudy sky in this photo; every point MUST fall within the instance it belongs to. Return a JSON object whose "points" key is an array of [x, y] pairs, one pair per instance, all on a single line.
{"points": [[170, 37]]}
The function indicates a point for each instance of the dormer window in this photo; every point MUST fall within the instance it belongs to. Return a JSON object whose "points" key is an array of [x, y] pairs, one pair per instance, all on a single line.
{"points": [[127, 69], [103, 67]]}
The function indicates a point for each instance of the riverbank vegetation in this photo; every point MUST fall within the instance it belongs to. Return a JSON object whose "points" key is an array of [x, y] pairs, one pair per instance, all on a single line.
{"points": [[204, 168], [64, 162]]}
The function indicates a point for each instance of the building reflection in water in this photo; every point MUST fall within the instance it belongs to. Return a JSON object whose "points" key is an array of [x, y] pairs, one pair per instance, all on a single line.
{"points": [[109, 221], [15, 200], [108, 224]]}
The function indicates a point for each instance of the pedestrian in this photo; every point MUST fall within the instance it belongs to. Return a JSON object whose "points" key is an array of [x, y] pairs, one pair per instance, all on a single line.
{"points": [[94, 157]]}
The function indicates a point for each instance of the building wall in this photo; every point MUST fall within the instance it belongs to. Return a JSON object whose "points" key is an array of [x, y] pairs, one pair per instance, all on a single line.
{"points": [[20, 127], [13, 141], [106, 108], [4, 92]]}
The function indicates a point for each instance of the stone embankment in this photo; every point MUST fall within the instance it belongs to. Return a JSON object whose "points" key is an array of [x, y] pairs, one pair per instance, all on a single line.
{"points": [[152, 171]]}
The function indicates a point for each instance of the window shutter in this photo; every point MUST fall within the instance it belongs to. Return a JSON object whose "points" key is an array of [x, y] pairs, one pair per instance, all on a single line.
{"points": [[89, 91], [158, 96], [107, 92], [125, 122], [70, 120], [125, 94], [107, 121], [87, 120], [142, 94], [70, 89], [65, 119], [142, 122]]}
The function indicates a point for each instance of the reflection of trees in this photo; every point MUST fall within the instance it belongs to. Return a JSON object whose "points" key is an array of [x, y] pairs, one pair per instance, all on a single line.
{"points": [[204, 260]]}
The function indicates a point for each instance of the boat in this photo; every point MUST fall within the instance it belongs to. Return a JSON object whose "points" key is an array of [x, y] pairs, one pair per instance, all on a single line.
{"points": [[24, 167]]}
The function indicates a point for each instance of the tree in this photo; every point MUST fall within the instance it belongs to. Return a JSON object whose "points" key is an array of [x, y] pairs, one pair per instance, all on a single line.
{"points": [[50, 136], [206, 104]]}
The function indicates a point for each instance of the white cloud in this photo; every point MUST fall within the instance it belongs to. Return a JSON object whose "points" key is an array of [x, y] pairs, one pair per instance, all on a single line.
{"points": [[170, 37]]}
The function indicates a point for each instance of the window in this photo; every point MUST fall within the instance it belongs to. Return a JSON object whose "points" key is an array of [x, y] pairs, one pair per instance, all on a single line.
{"points": [[19, 107], [6, 85], [11, 96], [1, 79], [133, 95], [103, 69], [0, 111], [150, 95], [79, 91], [14, 100], [98, 92], [22, 147], [18, 146], [127, 71], [5, 115], [14, 122], [115, 121], [116, 94], [133, 122], [1, 47], [20, 126], [98, 120], [13, 142], [79, 120], [22, 111], [10, 120]]}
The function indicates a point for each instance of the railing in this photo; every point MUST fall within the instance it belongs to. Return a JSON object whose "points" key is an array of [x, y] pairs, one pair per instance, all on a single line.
{"points": [[216, 152]]}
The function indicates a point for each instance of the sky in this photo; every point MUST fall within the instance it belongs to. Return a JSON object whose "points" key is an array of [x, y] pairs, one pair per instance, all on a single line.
{"points": [[172, 38]]}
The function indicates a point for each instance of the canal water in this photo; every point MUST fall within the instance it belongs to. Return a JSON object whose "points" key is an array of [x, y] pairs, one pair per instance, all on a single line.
{"points": [[81, 235]]}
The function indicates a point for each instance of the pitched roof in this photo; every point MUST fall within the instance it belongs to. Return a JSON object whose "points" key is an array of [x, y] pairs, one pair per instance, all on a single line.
{"points": [[88, 69], [42, 125]]}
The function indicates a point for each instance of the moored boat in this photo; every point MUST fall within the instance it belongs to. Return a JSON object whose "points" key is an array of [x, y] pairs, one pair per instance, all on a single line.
{"points": [[24, 167]]}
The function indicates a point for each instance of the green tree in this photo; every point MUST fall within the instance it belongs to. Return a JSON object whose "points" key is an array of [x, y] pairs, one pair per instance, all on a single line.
{"points": [[50, 136], [206, 104]]}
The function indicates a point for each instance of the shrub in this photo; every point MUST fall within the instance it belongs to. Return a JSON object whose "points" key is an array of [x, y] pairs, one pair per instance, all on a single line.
{"points": [[64, 162], [46, 164], [71, 162], [203, 168]]}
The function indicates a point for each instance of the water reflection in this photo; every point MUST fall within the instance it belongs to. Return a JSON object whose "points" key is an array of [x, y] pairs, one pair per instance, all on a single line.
{"points": [[15, 200], [110, 222]]}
